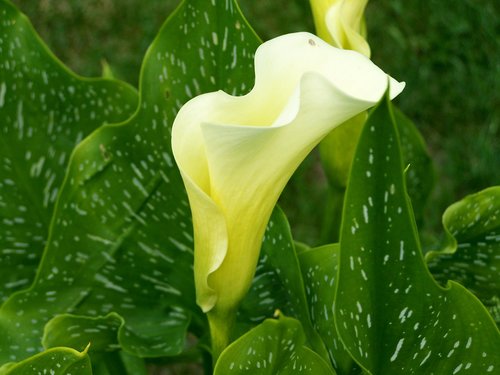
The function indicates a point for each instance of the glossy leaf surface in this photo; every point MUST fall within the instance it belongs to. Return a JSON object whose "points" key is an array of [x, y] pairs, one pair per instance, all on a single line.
{"points": [[273, 347], [77, 332], [319, 268], [45, 111], [337, 152], [120, 238], [420, 175], [278, 282], [471, 252], [57, 361], [391, 315]]}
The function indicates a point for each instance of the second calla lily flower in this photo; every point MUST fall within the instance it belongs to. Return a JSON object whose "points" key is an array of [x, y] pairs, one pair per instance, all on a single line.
{"points": [[341, 23], [236, 154]]}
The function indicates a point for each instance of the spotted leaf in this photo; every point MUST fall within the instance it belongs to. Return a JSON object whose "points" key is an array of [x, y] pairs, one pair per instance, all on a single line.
{"points": [[278, 283], [45, 111], [57, 361], [471, 252], [389, 312], [77, 332], [120, 239], [103, 333], [319, 268], [337, 152], [420, 173], [275, 346]]}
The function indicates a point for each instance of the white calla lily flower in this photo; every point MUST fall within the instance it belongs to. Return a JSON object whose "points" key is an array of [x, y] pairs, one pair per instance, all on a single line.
{"points": [[236, 154]]}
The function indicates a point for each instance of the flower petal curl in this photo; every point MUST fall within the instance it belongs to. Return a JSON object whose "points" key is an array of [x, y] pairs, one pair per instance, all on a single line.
{"points": [[236, 154]]}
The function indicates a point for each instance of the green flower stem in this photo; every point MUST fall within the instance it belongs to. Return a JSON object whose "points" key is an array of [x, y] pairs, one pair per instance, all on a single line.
{"points": [[221, 325]]}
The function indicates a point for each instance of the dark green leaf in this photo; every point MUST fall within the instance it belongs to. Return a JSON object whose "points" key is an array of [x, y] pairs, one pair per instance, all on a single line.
{"points": [[102, 333], [268, 293], [77, 332], [273, 347], [337, 151], [120, 238], [391, 315], [319, 268], [45, 111], [278, 283], [420, 175], [471, 252]]}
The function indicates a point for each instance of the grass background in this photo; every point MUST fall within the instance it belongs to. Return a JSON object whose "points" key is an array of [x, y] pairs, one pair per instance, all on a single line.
{"points": [[447, 51]]}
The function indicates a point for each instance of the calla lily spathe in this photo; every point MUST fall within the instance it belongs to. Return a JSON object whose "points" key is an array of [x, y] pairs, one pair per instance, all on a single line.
{"points": [[236, 154], [341, 23]]}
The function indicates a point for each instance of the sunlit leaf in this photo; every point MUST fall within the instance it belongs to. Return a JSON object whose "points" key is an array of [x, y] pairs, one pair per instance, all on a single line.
{"points": [[390, 313], [120, 239], [57, 361], [274, 347], [45, 110], [471, 252]]}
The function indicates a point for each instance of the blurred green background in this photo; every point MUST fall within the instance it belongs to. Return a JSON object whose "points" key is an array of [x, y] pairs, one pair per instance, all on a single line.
{"points": [[447, 51]]}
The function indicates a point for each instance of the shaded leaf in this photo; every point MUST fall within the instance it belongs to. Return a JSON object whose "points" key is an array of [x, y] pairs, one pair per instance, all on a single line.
{"points": [[337, 150], [57, 361], [319, 268], [391, 315], [470, 254], [120, 238], [101, 334], [133, 364], [77, 332], [45, 111], [420, 176], [273, 347], [278, 283], [268, 293]]}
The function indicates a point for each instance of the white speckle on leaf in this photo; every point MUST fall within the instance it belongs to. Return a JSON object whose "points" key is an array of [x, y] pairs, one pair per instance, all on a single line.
{"points": [[3, 90], [20, 119], [386, 258], [457, 369], [360, 308], [422, 343], [425, 358], [398, 348], [469, 342], [365, 213]]}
